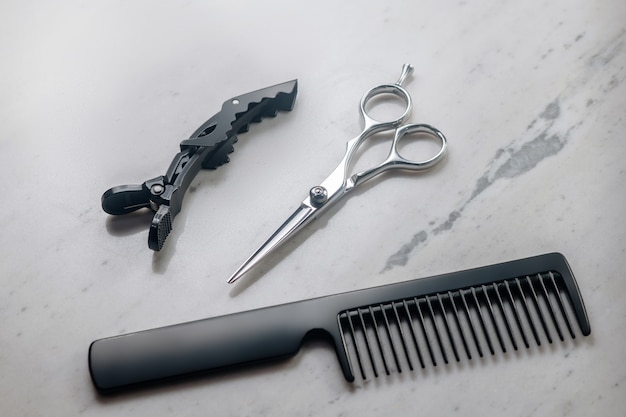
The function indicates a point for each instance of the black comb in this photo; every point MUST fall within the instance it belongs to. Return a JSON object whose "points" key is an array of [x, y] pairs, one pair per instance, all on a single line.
{"points": [[377, 330]]}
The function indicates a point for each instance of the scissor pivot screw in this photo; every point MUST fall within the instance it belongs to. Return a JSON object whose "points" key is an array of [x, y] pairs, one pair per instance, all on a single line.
{"points": [[157, 189], [318, 195]]}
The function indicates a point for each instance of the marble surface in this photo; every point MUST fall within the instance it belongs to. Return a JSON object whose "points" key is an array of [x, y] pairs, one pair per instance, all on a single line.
{"points": [[531, 96]]}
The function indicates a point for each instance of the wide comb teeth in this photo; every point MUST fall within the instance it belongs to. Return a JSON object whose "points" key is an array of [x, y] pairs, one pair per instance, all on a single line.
{"points": [[452, 325]]}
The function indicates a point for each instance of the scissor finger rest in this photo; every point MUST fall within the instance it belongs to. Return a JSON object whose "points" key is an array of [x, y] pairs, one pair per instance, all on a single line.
{"points": [[418, 132]]}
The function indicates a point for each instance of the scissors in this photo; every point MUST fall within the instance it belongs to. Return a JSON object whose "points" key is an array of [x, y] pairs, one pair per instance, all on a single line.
{"points": [[340, 183]]}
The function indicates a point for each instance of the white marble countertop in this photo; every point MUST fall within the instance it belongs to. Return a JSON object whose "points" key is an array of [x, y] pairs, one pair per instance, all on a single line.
{"points": [[531, 96]]}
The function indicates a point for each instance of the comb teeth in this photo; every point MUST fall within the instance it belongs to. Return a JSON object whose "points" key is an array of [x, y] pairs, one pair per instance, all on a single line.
{"points": [[453, 325]]}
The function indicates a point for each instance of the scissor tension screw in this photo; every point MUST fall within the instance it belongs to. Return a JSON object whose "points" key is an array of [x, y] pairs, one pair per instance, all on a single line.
{"points": [[318, 195]]}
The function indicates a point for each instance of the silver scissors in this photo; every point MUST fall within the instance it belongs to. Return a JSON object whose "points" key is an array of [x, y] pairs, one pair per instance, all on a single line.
{"points": [[339, 183]]}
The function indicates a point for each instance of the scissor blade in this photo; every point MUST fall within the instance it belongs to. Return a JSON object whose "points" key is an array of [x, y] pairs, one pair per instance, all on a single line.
{"points": [[295, 222]]}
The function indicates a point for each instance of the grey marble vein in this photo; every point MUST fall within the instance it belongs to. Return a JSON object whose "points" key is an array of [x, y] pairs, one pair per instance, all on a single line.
{"points": [[543, 139]]}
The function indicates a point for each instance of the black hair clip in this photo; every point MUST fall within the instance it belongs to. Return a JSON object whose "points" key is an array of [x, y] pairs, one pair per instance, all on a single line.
{"points": [[208, 147]]}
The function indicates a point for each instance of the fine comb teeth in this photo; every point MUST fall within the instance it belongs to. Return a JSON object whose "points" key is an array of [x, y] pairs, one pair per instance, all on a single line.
{"points": [[454, 324], [386, 329]]}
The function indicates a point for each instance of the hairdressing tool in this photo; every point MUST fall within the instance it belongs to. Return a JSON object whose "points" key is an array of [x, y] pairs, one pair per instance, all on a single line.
{"points": [[208, 147], [339, 183], [390, 328]]}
